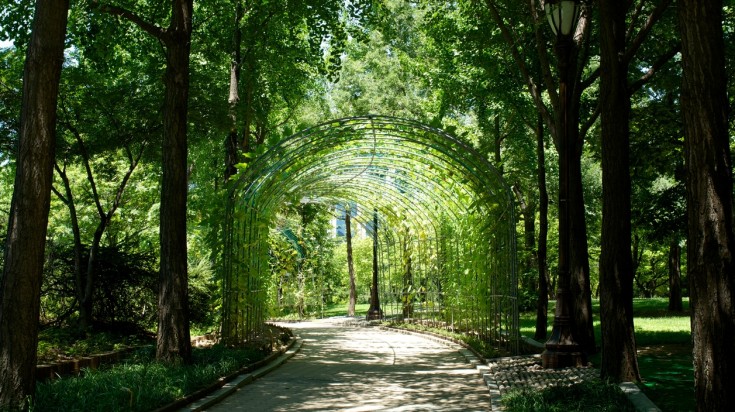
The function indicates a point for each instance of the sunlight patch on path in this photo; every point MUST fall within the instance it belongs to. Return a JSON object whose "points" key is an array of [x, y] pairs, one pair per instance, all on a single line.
{"points": [[364, 369]]}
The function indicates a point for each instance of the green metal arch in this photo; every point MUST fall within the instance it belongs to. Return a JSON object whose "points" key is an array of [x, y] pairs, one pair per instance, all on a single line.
{"points": [[438, 199]]}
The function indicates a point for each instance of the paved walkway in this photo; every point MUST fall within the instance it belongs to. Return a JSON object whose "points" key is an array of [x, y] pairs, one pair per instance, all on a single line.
{"points": [[343, 368]]}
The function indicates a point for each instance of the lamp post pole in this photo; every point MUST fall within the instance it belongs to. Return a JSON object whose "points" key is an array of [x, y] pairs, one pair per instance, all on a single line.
{"points": [[375, 312], [561, 350]]}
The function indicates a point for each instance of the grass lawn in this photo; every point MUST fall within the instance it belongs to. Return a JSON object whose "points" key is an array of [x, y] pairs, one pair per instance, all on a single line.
{"points": [[664, 350]]}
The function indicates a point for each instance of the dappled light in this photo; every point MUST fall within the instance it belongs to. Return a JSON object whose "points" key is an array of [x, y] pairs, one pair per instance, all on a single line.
{"points": [[365, 369]]}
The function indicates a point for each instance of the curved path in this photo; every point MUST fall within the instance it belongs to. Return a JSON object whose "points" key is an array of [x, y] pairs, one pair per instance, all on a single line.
{"points": [[341, 368]]}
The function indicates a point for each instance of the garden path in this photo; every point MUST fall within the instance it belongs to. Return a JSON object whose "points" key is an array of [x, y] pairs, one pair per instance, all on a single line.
{"points": [[342, 368]]}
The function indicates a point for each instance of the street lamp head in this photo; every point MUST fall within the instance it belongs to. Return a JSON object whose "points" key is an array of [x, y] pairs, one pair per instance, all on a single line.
{"points": [[563, 16]]}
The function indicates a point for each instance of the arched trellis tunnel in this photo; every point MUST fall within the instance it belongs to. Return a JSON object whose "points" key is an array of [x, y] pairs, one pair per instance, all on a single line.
{"points": [[446, 224]]}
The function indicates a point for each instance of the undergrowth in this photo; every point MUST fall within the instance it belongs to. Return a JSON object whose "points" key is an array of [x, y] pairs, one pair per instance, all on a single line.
{"points": [[587, 396], [141, 383]]}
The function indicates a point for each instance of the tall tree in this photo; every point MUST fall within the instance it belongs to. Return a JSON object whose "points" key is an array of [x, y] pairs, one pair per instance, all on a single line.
{"points": [[350, 265], [711, 243], [619, 361], [174, 342], [619, 45], [20, 286], [504, 15]]}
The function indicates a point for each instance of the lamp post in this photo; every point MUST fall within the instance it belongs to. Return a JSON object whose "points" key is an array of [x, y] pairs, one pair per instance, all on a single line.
{"points": [[374, 312], [561, 348]]}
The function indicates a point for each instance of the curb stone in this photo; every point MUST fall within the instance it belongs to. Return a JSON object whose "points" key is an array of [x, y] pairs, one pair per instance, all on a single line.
{"points": [[638, 398]]}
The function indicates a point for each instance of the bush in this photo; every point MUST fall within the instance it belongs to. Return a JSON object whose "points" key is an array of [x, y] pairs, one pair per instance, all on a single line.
{"points": [[125, 286]]}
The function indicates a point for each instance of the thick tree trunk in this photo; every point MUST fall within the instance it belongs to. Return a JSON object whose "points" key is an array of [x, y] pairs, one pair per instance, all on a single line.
{"points": [[20, 285], [350, 266], [542, 304], [174, 343], [619, 360], [579, 265], [675, 303], [710, 245]]}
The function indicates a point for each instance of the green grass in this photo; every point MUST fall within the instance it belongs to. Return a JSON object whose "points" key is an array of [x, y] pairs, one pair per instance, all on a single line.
{"points": [[340, 309], [328, 311], [664, 342], [141, 383], [583, 397]]}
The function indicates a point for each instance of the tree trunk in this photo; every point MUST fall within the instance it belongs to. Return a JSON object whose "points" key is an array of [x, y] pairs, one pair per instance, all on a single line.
{"points": [[528, 211], [675, 303], [174, 342], [542, 304], [231, 143], [619, 360], [374, 312], [498, 139], [579, 265], [20, 285], [710, 244], [407, 295], [68, 200], [350, 266]]}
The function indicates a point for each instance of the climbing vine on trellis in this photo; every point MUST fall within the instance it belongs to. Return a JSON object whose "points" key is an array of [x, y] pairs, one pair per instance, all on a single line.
{"points": [[446, 223]]}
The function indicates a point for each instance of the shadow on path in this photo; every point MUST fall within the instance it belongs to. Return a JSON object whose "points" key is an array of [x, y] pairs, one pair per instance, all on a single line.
{"points": [[364, 369]]}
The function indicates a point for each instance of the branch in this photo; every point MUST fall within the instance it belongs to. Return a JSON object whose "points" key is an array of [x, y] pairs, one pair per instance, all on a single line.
{"points": [[587, 125], [124, 182], [85, 158], [657, 65], [510, 40], [655, 16], [634, 19], [149, 28], [59, 195], [591, 79]]}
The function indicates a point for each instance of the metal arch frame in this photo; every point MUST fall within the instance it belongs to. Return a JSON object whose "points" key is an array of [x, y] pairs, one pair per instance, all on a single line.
{"points": [[438, 186]]}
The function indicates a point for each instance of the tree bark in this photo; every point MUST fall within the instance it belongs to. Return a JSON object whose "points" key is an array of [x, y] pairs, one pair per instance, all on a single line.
{"points": [[20, 285], [174, 341], [675, 303], [350, 266], [619, 360], [579, 262], [542, 304], [710, 244], [232, 148]]}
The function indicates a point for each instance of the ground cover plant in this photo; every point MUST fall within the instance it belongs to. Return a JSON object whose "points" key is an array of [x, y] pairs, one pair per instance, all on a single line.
{"points": [[141, 383], [587, 396]]}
